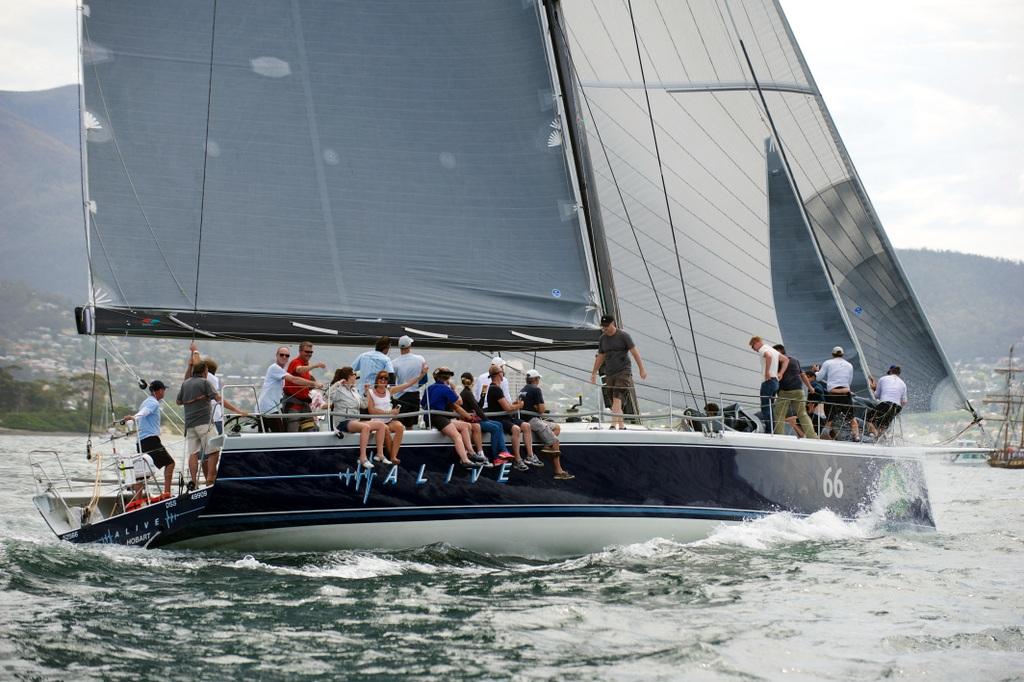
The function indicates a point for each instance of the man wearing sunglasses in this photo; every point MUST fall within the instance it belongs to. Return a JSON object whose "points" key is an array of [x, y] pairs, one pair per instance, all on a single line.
{"points": [[272, 393]]}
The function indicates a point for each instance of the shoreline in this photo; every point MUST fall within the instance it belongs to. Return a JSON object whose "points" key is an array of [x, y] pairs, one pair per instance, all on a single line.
{"points": [[56, 434]]}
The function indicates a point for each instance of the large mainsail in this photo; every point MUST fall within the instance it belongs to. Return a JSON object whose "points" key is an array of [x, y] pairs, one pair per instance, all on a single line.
{"points": [[335, 169], [701, 172]]}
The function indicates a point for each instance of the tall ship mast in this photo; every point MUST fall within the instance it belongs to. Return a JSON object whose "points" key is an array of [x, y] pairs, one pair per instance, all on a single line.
{"points": [[1009, 441]]}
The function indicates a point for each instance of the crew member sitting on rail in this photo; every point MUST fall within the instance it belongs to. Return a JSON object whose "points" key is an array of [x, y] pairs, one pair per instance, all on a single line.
{"points": [[441, 397]]}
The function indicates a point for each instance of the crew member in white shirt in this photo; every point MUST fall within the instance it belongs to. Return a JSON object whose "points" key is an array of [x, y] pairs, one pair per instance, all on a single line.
{"points": [[272, 392], [837, 373], [408, 365], [891, 392], [769, 378]]}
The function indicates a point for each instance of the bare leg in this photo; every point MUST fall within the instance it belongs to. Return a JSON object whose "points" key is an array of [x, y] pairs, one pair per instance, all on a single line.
{"points": [[478, 438], [528, 437], [467, 435], [210, 468], [168, 477], [516, 432], [452, 431], [397, 429], [617, 422], [363, 429], [383, 437], [193, 468]]}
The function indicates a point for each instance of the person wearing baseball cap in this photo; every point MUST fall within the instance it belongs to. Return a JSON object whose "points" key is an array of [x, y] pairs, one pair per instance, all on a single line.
{"points": [[408, 365], [147, 419], [533, 401], [613, 351], [440, 397], [484, 380], [837, 373]]}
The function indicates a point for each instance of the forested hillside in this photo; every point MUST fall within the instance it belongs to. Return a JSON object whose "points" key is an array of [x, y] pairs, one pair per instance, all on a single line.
{"points": [[973, 302]]}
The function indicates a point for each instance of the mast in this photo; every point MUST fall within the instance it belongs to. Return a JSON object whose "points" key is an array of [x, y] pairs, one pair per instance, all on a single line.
{"points": [[581, 159], [83, 159]]}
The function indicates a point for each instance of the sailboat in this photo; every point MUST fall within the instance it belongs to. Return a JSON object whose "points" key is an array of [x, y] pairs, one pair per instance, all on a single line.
{"points": [[490, 175], [1009, 450]]}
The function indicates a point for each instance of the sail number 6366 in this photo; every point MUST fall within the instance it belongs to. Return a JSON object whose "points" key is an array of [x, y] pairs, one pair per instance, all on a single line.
{"points": [[832, 485]]}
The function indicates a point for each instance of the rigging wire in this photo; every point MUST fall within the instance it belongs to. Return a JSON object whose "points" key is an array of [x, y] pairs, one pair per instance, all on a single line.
{"points": [[668, 203], [680, 369], [206, 159]]}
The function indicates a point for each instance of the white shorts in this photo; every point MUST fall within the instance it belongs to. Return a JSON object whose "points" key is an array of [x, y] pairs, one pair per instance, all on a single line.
{"points": [[198, 438]]}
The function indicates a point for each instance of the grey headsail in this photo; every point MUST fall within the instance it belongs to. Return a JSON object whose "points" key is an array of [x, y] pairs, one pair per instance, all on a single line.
{"points": [[805, 304], [332, 169], [710, 125]]}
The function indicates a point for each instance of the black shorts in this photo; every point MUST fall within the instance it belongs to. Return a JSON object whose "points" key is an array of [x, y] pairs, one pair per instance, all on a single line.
{"points": [[439, 421], [506, 422], [152, 446], [883, 414], [838, 405]]}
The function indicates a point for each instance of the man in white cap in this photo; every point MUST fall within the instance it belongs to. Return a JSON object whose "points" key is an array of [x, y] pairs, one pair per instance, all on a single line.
{"points": [[484, 380], [408, 366], [533, 401], [837, 373]]}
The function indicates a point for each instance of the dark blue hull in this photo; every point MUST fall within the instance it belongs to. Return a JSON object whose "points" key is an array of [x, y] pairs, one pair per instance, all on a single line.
{"points": [[270, 495], [146, 525]]}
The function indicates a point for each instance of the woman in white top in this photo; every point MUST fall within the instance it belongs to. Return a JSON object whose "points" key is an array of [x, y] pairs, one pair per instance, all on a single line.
{"points": [[379, 403], [346, 401]]}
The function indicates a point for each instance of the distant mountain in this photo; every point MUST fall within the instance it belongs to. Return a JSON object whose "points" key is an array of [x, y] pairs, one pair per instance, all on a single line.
{"points": [[41, 226], [972, 302]]}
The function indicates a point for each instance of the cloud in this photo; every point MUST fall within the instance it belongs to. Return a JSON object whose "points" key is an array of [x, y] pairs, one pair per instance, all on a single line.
{"points": [[39, 45]]}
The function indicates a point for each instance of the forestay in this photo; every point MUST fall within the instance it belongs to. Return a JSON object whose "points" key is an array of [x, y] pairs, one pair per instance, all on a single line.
{"points": [[711, 131], [354, 167]]}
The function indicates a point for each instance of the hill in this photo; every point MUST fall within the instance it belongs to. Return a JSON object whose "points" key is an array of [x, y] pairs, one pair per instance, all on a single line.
{"points": [[972, 302], [40, 191]]}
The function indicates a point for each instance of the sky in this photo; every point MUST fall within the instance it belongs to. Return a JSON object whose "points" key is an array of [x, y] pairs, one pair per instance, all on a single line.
{"points": [[928, 96]]}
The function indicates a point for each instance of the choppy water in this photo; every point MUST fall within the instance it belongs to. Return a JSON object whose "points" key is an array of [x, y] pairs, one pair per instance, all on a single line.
{"points": [[780, 598]]}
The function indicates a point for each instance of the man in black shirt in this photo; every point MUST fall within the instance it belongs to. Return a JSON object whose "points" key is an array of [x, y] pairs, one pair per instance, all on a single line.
{"points": [[497, 402], [532, 399], [613, 351]]}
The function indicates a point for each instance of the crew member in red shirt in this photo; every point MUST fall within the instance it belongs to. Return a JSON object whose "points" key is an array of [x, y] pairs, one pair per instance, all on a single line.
{"points": [[296, 396]]}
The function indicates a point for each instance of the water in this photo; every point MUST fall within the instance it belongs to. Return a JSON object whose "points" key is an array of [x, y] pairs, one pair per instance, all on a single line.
{"points": [[780, 598]]}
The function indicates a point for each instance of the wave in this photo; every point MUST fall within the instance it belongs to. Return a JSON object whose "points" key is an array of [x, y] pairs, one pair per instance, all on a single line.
{"points": [[786, 528]]}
